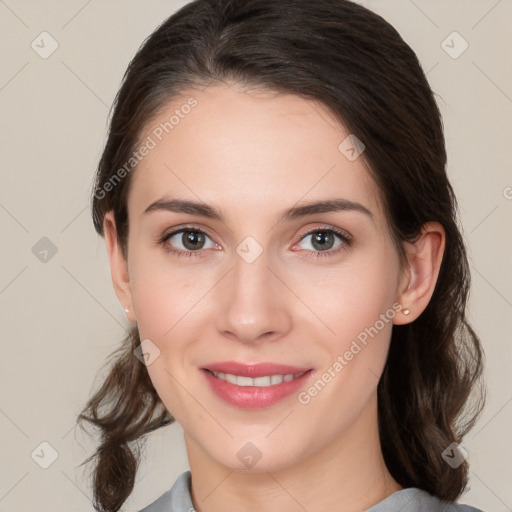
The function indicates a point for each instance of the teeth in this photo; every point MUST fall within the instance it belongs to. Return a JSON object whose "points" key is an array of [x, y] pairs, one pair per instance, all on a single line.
{"points": [[268, 380], [230, 378]]}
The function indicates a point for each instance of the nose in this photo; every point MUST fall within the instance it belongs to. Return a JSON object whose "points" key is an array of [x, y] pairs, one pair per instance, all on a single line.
{"points": [[252, 302]]}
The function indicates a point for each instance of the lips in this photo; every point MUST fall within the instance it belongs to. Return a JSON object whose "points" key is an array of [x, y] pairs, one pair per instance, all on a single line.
{"points": [[255, 369], [254, 386]]}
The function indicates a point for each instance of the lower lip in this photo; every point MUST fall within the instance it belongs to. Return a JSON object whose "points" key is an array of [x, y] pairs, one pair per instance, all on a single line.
{"points": [[254, 397]]}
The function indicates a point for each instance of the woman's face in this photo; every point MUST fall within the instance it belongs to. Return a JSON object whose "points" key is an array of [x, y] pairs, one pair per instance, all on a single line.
{"points": [[265, 280]]}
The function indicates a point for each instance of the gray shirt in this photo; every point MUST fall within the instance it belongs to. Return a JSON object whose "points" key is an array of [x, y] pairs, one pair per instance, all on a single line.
{"points": [[178, 499]]}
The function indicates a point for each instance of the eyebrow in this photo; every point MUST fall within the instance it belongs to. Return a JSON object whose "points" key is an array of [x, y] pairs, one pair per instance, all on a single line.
{"points": [[205, 210]]}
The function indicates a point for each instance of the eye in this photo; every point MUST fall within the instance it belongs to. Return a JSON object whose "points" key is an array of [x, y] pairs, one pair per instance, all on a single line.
{"points": [[190, 241], [325, 240], [187, 241]]}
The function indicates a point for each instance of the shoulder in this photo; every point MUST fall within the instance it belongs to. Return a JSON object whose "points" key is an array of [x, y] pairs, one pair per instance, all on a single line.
{"points": [[416, 500], [177, 499]]}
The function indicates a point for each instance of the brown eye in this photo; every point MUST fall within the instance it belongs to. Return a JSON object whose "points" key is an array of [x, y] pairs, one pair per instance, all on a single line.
{"points": [[325, 242], [192, 240], [188, 240]]}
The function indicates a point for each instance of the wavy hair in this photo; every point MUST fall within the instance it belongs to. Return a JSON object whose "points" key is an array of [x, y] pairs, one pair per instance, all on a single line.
{"points": [[355, 63]]}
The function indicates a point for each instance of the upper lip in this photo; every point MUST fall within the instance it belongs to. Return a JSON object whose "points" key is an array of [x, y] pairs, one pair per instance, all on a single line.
{"points": [[254, 369]]}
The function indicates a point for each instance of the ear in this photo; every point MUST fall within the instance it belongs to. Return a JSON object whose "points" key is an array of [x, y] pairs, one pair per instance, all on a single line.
{"points": [[118, 265], [419, 279]]}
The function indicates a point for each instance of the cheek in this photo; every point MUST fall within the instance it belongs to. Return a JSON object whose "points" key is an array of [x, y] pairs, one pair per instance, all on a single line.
{"points": [[166, 302], [164, 306], [163, 296], [350, 297], [355, 304]]}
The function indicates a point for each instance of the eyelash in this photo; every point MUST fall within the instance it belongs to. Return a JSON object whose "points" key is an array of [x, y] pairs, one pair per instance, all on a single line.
{"points": [[346, 240]]}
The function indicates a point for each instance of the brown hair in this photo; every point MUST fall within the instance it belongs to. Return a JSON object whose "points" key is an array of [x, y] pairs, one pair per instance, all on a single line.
{"points": [[356, 64]]}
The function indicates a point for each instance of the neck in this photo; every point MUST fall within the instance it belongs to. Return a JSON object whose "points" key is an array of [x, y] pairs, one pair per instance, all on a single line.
{"points": [[347, 474]]}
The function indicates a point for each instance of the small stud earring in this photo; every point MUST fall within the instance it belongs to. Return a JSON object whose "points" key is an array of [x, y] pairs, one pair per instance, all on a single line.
{"points": [[126, 310], [406, 311]]}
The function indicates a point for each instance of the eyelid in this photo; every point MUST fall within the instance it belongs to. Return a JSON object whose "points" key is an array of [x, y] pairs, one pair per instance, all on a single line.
{"points": [[163, 239], [346, 238], [326, 227], [191, 227], [186, 227]]}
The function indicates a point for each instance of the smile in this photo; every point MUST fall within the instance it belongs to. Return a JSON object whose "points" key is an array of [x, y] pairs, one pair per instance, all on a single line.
{"points": [[260, 386], [264, 381]]}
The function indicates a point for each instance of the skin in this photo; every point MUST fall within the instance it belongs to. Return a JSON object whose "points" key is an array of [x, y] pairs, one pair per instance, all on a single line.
{"points": [[253, 155]]}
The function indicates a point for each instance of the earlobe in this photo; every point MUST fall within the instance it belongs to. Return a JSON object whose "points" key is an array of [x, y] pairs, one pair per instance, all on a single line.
{"points": [[118, 265], [424, 258]]}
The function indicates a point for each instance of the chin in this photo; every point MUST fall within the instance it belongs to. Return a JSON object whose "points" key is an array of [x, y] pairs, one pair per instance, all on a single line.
{"points": [[244, 454]]}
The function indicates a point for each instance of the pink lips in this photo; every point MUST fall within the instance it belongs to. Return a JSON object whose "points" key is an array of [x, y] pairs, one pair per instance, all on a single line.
{"points": [[254, 397], [254, 370]]}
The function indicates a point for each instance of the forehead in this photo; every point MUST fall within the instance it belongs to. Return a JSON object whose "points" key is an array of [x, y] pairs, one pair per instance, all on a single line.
{"points": [[255, 151]]}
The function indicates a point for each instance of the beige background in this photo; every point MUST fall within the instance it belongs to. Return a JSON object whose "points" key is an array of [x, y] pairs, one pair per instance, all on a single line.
{"points": [[61, 318]]}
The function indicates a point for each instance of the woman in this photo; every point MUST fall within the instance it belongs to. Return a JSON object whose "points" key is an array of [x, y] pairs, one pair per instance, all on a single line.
{"points": [[281, 228]]}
